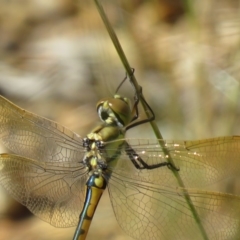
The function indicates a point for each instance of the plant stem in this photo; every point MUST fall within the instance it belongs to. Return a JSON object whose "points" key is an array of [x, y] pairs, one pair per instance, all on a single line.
{"points": [[156, 131]]}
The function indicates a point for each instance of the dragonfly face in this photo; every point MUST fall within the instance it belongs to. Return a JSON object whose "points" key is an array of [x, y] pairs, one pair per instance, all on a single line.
{"points": [[115, 110], [57, 174]]}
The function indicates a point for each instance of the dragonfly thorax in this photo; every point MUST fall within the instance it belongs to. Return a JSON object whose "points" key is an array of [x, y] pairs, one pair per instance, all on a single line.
{"points": [[92, 158], [100, 145]]}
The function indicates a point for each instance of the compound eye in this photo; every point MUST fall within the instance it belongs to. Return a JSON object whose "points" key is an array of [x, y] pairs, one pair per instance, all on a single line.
{"points": [[117, 107], [103, 109], [99, 103], [121, 109]]}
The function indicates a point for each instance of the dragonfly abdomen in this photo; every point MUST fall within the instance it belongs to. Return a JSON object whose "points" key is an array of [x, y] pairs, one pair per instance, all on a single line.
{"points": [[95, 186]]}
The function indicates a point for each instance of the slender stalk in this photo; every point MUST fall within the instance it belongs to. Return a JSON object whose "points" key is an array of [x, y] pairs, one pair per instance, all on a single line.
{"points": [[156, 131], [124, 60]]}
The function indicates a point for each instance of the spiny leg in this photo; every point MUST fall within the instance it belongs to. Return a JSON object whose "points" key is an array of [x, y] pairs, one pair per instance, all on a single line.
{"points": [[139, 163]]}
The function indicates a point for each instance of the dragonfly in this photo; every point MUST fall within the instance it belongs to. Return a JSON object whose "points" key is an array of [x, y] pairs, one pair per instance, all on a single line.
{"points": [[60, 176]]}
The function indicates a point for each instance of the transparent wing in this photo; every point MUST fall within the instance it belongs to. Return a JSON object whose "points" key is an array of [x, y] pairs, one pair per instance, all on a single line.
{"points": [[35, 137], [53, 192], [149, 204], [200, 163], [152, 211]]}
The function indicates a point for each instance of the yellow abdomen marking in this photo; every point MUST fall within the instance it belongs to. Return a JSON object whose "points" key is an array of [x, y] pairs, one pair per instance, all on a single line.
{"points": [[95, 186]]}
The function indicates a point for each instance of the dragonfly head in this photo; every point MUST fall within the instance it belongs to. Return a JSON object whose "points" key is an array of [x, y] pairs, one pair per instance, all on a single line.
{"points": [[115, 110]]}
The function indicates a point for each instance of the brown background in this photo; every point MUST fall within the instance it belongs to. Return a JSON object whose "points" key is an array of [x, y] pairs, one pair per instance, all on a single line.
{"points": [[57, 61]]}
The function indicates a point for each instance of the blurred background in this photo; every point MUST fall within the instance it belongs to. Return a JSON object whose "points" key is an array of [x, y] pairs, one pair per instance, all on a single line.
{"points": [[57, 61]]}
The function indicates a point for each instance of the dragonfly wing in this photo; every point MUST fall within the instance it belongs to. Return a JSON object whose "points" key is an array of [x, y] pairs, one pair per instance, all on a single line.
{"points": [[36, 137], [151, 211], [200, 163], [52, 191]]}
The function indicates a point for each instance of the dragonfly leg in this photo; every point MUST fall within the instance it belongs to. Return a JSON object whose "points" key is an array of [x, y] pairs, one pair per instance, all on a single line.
{"points": [[137, 97], [125, 78], [139, 163]]}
